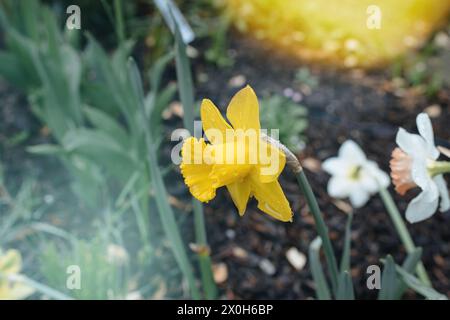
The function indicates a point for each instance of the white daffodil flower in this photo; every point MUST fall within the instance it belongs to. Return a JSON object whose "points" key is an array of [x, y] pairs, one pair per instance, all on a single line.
{"points": [[353, 175], [414, 165]]}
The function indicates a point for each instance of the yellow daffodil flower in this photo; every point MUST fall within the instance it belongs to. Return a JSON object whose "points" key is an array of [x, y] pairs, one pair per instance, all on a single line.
{"points": [[11, 264], [236, 158]]}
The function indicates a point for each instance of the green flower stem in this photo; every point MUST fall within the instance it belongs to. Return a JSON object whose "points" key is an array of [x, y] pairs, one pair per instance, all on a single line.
{"points": [[439, 167], [403, 233], [203, 255], [322, 229]]}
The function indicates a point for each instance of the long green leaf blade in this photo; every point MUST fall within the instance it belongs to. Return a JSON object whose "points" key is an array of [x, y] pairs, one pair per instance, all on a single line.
{"points": [[388, 280], [345, 259], [345, 287], [322, 290], [161, 197], [415, 284]]}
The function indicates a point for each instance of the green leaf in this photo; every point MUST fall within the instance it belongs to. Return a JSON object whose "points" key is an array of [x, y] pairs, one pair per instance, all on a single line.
{"points": [[107, 124], [23, 48], [101, 149], [415, 284], [322, 289], [389, 281], [345, 287], [156, 71], [46, 149], [410, 264], [88, 138], [162, 101], [10, 69], [184, 77], [175, 20], [165, 211], [345, 259]]}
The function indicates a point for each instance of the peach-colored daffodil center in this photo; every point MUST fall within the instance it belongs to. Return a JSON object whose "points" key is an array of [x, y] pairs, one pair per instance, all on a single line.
{"points": [[236, 158]]}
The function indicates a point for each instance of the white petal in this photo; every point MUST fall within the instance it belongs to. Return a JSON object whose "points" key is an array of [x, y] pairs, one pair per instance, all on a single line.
{"points": [[359, 197], [412, 144], [426, 131], [368, 182], [335, 166], [351, 152], [420, 208], [379, 175], [419, 173], [339, 187], [383, 179], [443, 192]]}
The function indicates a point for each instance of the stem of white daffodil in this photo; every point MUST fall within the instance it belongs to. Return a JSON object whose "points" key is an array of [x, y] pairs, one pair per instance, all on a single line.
{"points": [[322, 229], [402, 231], [438, 167]]}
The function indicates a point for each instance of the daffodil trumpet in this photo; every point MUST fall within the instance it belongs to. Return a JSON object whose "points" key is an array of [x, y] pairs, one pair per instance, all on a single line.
{"points": [[415, 164]]}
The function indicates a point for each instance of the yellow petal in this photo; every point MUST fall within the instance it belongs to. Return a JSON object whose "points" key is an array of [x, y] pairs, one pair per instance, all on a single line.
{"points": [[243, 110], [213, 123], [10, 262], [240, 193], [18, 291], [271, 198], [196, 168], [271, 162]]}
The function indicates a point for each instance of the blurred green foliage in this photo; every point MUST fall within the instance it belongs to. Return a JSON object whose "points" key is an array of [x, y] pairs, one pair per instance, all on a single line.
{"points": [[289, 117], [102, 126], [104, 268]]}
